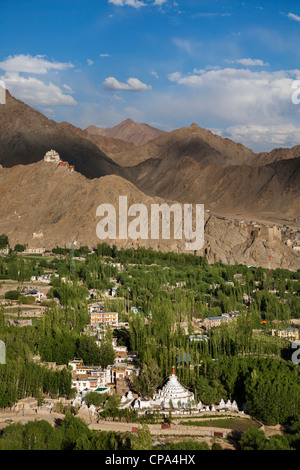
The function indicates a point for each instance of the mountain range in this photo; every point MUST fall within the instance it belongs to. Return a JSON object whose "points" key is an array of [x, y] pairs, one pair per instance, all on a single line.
{"points": [[128, 131], [189, 165]]}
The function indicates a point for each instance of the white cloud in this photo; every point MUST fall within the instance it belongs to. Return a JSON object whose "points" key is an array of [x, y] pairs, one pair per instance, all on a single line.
{"points": [[104, 55], [210, 15], [293, 16], [184, 45], [67, 87], [35, 92], [90, 62], [29, 64], [116, 97], [238, 95], [49, 112], [248, 62], [133, 84], [252, 135], [136, 3], [253, 107], [155, 74], [132, 3]]}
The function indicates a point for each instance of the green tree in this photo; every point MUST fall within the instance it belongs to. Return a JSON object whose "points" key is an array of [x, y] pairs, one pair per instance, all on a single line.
{"points": [[106, 350], [253, 439], [4, 242], [72, 429], [95, 398], [20, 248], [148, 380], [142, 440]]}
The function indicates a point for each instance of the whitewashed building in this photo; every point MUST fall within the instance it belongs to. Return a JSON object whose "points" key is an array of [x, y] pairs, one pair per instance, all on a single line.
{"points": [[52, 157]]}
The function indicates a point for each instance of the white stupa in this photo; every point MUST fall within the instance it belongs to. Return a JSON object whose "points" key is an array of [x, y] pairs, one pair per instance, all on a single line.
{"points": [[52, 157], [173, 392]]}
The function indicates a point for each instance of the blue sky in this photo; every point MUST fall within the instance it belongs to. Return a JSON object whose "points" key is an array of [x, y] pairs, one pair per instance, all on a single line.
{"points": [[228, 66]]}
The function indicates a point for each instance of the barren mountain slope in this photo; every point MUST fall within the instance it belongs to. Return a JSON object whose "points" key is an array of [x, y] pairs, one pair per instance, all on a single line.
{"points": [[54, 207], [26, 135], [116, 149], [200, 144], [195, 142], [272, 189], [129, 131], [277, 155]]}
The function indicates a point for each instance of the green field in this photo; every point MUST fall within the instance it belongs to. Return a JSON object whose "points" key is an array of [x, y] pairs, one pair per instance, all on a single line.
{"points": [[236, 424]]}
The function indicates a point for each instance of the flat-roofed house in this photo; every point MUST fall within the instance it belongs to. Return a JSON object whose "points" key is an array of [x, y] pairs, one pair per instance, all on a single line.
{"points": [[291, 334], [99, 317]]}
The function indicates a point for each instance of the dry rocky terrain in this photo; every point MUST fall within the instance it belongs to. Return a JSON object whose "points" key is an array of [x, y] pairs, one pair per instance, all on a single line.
{"points": [[128, 131], [56, 206], [44, 205]]}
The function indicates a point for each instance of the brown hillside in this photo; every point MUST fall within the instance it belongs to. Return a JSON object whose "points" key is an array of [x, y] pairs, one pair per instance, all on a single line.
{"points": [[116, 149], [129, 131], [195, 142], [277, 155], [267, 191], [54, 207], [26, 135]]}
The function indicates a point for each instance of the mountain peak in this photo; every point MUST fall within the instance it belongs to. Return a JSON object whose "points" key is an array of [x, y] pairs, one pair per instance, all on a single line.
{"points": [[129, 131]]}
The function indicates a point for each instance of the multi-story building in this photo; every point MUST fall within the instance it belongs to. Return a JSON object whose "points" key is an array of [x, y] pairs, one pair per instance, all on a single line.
{"points": [[104, 318], [217, 321], [87, 382], [35, 250], [291, 334], [99, 317], [89, 378]]}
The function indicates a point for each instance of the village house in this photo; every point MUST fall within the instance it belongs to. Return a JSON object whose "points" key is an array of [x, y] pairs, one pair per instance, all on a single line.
{"points": [[291, 334], [96, 307], [120, 374], [38, 295], [99, 317], [34, 251], [135, 310], [121, 371], [49, 365], [198, 338], [121, 356], [19, 323], [116, 347], [44, 278], [87, 382], [88, 378], [210, 322], [26, 404]]}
